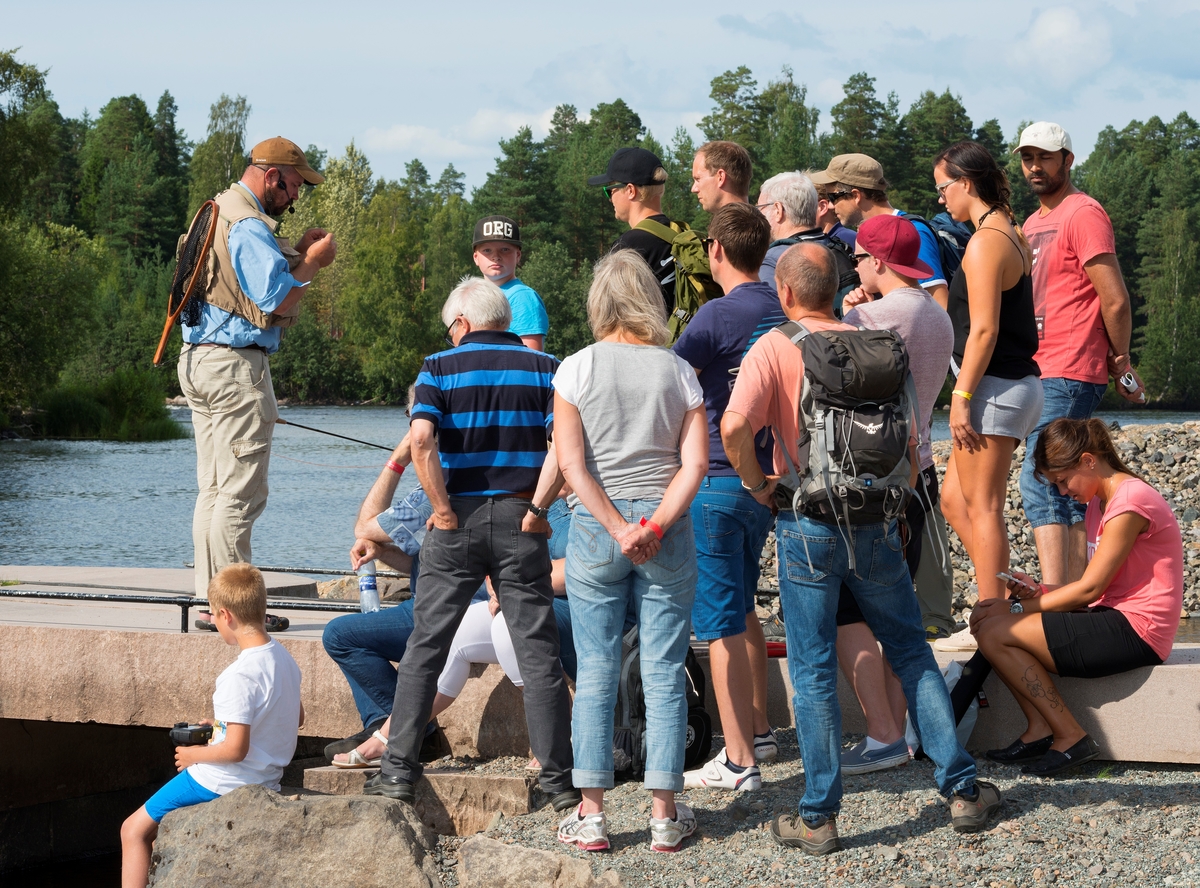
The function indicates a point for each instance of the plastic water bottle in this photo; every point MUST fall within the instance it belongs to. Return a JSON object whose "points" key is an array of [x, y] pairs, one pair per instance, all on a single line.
{"points": [[368, 591], [1130, 384]]}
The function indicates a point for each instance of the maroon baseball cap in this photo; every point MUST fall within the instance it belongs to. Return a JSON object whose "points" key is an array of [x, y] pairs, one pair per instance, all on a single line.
{"points": [[894, 241]]}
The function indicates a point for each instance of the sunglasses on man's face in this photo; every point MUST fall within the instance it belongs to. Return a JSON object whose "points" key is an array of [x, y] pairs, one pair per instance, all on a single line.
{"points": [[609, 189], [835, 196]]}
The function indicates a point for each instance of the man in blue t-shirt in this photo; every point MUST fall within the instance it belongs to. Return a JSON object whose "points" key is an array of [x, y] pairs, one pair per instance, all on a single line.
{"points": [[857, 190], [497, 245], [730, 526]]}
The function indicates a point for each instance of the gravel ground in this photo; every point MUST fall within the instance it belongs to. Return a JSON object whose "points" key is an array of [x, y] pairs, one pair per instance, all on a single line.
{"points": [[1166, 456], [1110, 825]]}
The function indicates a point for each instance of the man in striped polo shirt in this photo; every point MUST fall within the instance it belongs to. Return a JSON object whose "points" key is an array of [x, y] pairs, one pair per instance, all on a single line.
{"points": [[480, 424]]}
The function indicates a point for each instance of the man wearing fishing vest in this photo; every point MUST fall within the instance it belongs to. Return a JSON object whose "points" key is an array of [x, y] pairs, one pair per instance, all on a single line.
{"points": [[253, 289]]}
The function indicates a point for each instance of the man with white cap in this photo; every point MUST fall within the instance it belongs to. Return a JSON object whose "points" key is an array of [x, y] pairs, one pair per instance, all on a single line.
{"points": [[224, 371], [1084, 324]]}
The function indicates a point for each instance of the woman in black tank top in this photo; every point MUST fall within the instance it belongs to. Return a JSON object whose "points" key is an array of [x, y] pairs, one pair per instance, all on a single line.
{"points": [[997, 397]]}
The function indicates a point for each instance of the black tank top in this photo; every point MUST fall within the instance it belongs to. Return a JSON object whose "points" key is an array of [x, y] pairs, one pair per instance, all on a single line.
{"points": [[1016, 341]]}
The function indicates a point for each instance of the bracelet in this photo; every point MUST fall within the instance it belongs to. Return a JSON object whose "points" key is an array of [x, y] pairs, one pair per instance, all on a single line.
{"points": [[394, 466], [962, 394], [757, 488], [658, 531]]}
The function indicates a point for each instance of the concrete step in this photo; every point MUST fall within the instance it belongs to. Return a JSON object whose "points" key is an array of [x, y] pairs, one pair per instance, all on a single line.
{"points": [[450, 802]]}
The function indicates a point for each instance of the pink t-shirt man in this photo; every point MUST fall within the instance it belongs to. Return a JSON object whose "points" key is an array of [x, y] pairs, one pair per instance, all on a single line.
{"points": [[769, 384], [1148, 589], [1073, 342]]}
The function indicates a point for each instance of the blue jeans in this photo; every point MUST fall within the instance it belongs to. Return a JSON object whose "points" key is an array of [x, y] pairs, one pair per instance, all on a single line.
{"points": [[365, 646], [731, 528], [602, 585], [813, 567], [1071, 399]]}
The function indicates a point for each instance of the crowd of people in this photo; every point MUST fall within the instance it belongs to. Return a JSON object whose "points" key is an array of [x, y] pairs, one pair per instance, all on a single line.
{"points": [[634, 483]]}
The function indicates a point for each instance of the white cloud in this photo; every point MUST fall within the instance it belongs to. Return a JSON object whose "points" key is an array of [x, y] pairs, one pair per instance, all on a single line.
{"points": [[1063, 48], [491, 124], [404, 138]]}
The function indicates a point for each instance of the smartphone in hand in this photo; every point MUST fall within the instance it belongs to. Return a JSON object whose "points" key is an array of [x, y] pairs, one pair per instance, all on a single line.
{"points": [[1009, 578]]}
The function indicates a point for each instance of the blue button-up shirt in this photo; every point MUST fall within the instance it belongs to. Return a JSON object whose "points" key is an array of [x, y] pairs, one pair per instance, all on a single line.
{"points": [[264, 276]]}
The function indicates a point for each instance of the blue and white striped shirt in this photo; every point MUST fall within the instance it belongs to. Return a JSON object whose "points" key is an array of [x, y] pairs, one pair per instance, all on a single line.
{"points": [[492, 403]]}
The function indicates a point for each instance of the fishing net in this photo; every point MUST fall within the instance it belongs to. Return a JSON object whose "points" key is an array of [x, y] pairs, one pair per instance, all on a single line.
{"points": [[186, 300]]}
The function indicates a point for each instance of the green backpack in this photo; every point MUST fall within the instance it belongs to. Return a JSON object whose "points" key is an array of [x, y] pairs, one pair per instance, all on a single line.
{"points": [[694, 285]]}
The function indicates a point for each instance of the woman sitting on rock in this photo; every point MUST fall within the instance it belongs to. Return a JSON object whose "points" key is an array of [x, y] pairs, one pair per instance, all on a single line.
{"points": [[1121, 615]]}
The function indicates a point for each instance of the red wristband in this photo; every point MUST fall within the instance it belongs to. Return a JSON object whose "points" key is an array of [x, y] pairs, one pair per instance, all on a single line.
{"points": [[658, 531], [395, 466]]}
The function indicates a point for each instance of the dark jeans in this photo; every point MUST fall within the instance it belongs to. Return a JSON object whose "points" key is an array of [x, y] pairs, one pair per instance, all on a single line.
{"points": [[365, 646], [487, 541]]}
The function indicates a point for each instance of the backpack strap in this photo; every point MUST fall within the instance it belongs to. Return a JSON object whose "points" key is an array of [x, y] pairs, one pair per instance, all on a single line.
{"points": [[657, 229]]}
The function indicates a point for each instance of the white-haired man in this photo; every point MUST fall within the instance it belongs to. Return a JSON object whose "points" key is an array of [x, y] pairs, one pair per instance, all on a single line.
{"points": [[790, 203], [480, 424]]}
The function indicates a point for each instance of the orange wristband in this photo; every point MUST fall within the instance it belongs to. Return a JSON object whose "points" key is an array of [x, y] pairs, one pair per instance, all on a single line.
{"points": [[658, 531]]}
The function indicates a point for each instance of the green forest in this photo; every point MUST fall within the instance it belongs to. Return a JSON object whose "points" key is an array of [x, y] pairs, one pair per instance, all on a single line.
{"points": [[91, 207]]}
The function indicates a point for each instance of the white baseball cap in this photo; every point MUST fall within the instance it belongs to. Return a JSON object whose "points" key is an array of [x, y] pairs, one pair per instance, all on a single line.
{"points": [[1044, 135]]}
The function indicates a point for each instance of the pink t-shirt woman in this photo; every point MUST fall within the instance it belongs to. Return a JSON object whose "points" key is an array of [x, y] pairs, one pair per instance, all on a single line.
{"points": [[1148, 589]]}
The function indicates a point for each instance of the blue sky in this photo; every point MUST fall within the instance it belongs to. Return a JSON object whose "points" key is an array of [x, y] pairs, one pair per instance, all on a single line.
{"points": [[444, 82]]}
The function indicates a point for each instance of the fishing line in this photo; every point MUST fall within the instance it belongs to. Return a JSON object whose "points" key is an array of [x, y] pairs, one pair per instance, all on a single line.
{"points": [[332, 435]]}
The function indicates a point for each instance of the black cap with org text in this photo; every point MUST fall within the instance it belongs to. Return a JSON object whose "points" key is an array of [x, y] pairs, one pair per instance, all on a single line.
{"points": [[496, 228]]}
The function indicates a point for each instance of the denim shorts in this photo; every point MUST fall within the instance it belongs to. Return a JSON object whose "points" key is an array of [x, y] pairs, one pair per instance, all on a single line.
{"points": [[1071, 399], [180, 791], [1006, 407], [731, 528]]}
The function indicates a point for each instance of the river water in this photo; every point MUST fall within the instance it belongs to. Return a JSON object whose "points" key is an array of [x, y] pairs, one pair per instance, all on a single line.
{"points": [[97, 503]]}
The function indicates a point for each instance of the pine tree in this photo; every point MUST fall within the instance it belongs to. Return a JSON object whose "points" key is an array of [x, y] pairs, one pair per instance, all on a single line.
{"points": [[221, 158]]}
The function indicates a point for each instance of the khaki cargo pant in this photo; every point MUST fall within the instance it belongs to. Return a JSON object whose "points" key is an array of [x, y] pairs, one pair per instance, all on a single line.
{"points": [[233, 417]]}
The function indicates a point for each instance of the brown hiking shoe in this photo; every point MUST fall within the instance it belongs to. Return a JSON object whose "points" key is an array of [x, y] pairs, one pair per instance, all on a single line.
{"points": [[819, 837], [971, 814]]}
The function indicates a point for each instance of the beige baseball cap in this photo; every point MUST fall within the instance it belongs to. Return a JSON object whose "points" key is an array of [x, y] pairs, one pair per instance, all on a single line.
{"points": [[285, 153], [855, 170], [1044, 135]]}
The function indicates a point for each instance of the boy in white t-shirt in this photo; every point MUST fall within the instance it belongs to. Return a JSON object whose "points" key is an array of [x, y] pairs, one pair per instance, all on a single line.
{"points": [[258, 714]]}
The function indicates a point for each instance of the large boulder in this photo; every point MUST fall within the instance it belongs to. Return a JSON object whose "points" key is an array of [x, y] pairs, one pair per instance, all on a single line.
{"points": [[253, 836], [487, 863]]}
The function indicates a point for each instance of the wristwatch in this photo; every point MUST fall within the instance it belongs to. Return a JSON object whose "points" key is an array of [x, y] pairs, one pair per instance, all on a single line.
{"points": [[539, 513], [1016, 608]]}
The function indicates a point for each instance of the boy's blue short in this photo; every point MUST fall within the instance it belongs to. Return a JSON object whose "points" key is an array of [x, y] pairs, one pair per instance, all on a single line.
{"points": [[179, 792]]}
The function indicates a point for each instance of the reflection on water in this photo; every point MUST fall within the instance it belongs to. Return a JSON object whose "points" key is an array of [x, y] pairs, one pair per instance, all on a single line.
{"points": [[130, 505]]}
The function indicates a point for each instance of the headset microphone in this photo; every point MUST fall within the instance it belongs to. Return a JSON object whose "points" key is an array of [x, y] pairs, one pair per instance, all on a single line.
{"points": [[284, 189]]}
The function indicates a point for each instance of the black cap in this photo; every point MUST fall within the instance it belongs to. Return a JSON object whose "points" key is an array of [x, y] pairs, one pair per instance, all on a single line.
{"points": [[629, 166], [496, 228]]}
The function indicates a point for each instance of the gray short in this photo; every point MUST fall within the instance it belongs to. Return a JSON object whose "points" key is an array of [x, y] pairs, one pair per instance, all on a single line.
{"points": [[1006, 407]]}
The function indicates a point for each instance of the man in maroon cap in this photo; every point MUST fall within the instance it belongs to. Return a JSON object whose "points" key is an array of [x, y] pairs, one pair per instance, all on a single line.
{"points": [[889, 264]]}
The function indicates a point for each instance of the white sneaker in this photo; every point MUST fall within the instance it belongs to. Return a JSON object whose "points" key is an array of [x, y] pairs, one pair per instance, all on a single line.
{"points": [[766, 747], [668, 835], [961, 640], [588, 833], [716, 775]]}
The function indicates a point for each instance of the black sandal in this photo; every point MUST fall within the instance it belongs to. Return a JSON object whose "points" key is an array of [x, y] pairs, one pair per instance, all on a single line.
{"points": [[1020, 751], [276, 623], [1054, 762]]}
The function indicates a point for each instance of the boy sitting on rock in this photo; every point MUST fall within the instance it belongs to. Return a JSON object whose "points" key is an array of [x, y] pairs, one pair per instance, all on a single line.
{"points": [[258, 715]]}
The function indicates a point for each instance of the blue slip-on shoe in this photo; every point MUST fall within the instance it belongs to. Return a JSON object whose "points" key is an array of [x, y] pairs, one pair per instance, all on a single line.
{"points": [[858, 760]]}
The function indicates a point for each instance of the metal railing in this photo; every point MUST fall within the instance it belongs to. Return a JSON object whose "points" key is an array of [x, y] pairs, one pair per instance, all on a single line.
{"points": [[184, 603]]}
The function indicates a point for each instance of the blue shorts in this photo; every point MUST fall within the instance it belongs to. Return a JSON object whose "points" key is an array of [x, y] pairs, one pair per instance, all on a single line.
{"points": [[1063, 398], [731, 528], [179, 792]]}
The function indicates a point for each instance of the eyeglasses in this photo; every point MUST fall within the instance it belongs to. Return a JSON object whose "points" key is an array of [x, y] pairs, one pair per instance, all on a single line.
{"points": [[942, 186], [859, 257], [835, 196], [450, 332], [707, 242], [762, 208], [609, 189]]}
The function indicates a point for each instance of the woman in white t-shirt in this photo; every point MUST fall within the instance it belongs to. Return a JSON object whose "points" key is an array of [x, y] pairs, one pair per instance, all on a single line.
{"points": [[631, 438]]}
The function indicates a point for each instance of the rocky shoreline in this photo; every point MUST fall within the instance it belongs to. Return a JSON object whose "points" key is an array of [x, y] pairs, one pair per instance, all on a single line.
{"points": [[1167, 456]]}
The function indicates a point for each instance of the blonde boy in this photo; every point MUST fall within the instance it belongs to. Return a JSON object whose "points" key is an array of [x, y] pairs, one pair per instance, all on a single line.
{"points": [[258, 714]]}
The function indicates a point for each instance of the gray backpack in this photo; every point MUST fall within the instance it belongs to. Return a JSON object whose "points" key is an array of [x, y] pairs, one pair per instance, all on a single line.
{"points": [[856, 412]]}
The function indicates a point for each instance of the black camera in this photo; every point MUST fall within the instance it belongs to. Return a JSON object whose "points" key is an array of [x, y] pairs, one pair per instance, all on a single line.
{"points": [[184, 734]]}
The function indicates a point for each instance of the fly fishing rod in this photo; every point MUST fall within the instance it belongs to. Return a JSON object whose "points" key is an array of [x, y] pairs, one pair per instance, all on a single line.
{"points": [[332, 434]]}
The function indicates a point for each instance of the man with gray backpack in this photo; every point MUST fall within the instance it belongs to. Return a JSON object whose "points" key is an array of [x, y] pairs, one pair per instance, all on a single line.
{"points": [[840, 401]]}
